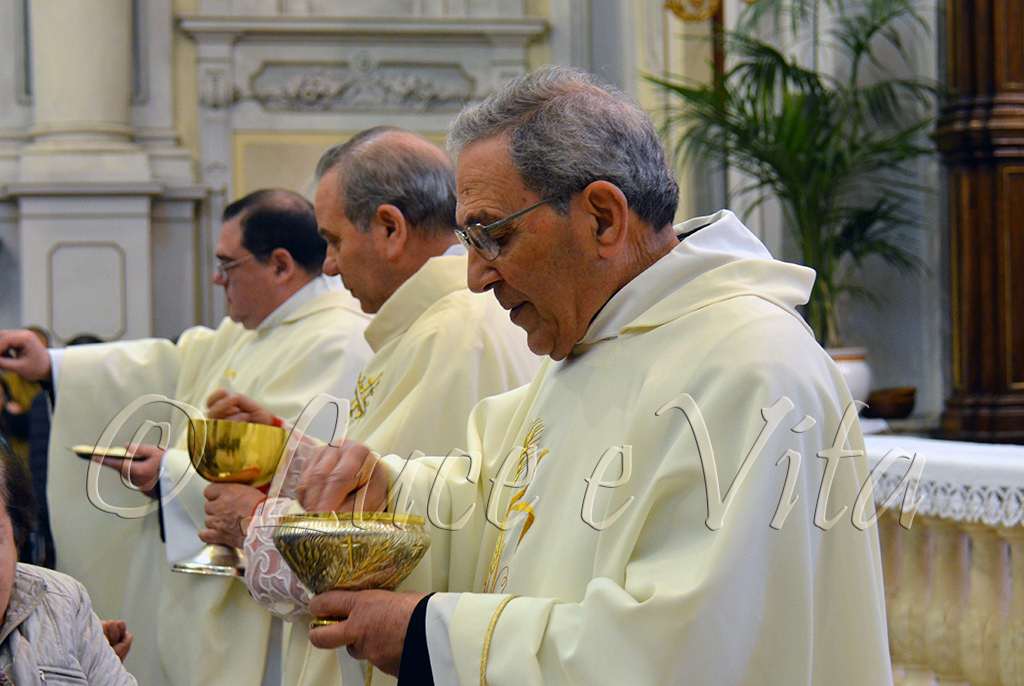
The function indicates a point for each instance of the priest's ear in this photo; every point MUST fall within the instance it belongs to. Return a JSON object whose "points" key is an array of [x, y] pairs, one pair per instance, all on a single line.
{"points": [[282, 264], [609, 213], [390, 231]]}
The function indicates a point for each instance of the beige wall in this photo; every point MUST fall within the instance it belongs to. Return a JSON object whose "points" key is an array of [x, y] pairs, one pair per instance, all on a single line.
{"points": [[284, 159]]}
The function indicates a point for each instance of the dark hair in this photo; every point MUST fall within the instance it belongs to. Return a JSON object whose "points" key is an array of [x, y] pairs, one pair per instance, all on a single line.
{"points": [[420, 184], [275, 218], [85, 339], [16, 494]]}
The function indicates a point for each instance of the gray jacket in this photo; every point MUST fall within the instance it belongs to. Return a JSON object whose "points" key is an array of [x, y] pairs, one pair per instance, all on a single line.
{"points": [[50, 635]]}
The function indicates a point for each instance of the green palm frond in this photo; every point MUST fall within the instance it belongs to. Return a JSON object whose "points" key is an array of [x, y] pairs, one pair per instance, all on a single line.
{"points": [[835, 152]]}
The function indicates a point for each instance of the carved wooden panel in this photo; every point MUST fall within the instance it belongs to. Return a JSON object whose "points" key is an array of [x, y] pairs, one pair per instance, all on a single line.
{"points": [[1012, 249], [981, 136]]}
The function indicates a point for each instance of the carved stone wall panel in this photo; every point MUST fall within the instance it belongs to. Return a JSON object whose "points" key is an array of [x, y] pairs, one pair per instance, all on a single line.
{"points": [[363, 84], [363, 8], [255, 7], [103, 280], [330, 68], [93, 262]]}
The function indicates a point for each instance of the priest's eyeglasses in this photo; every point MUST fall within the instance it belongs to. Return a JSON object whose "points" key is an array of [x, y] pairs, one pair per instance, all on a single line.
{"points": [[222, 268], [484, 238]]}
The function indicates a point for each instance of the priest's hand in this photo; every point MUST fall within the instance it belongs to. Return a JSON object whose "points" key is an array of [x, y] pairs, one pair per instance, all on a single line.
{"points": [[340, 479], [24, 354], [143, 472], [373, 624], [236, 407], [229, 509]]}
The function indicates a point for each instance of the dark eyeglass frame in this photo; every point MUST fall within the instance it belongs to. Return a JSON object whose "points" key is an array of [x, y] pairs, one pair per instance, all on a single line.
{"points": [[480, 237]]}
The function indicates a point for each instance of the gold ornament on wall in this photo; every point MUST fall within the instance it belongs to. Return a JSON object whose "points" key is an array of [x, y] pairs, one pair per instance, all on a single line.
{"points": [[695, 10]]}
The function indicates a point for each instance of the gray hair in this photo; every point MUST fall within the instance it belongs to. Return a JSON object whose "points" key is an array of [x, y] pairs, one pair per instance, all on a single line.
{"points": [[565, 131], [421, 185]]}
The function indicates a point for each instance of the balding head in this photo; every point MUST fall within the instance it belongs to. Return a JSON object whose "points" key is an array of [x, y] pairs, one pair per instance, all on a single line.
{"points": [[385, 202], [387, 165]]}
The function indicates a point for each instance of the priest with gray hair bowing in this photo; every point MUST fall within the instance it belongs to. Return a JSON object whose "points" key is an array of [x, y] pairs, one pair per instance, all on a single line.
{"points": [[672, 499]]}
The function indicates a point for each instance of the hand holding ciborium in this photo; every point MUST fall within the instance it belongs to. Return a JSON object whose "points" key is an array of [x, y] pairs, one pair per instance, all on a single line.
{"points": [[223, 451], [350, 551]]}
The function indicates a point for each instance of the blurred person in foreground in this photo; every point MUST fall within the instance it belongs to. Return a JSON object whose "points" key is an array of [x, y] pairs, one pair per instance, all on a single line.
{"points": [[39, 548], [385, 204], [290, 334], [19, 394], [599, 547], [49, 632]]}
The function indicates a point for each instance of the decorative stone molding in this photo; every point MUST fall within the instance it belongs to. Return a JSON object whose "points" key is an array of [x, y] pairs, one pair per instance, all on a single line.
{"points": [[339, 66], [523, 29], [216, 90], [361, 85]]}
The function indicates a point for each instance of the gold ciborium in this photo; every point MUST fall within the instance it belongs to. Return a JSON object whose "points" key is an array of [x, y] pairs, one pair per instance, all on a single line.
{"points": [[230, 452], [333, 550]]}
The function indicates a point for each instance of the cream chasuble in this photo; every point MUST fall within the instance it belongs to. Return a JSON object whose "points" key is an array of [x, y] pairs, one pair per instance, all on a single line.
{"points": [[614, 563], [438, 350], [207, 630]]}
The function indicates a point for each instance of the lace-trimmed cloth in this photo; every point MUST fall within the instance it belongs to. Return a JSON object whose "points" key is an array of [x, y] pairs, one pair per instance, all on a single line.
{"points": [[963, 482]]}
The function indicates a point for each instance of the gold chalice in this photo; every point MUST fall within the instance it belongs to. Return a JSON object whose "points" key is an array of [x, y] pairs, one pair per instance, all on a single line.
{"points": [[230, 452], [352, 552]]}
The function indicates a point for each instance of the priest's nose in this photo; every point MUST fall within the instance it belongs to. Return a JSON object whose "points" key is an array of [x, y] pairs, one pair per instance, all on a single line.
{"points": [[330, 267], [482, 275]]}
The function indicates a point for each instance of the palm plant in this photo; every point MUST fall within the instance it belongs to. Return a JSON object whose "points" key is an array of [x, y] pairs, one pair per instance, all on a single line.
{"points": [[833, 148]]}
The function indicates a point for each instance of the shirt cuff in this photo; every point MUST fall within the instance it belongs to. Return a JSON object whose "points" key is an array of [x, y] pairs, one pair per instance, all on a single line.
{"points": [[181, 530], [440, 611], [414, 669], [56, 357]]}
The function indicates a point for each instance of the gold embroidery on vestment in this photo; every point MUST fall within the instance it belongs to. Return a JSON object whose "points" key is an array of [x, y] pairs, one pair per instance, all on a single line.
{"points": [[529, 447], [365, 386]]}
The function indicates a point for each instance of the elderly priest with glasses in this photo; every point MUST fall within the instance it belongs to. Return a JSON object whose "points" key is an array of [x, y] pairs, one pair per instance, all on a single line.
{"points": [[633, 520], [291, 333]]}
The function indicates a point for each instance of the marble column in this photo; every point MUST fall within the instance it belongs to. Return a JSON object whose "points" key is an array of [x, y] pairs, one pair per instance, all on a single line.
{"points": [[84, 187], [81, 92]]}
